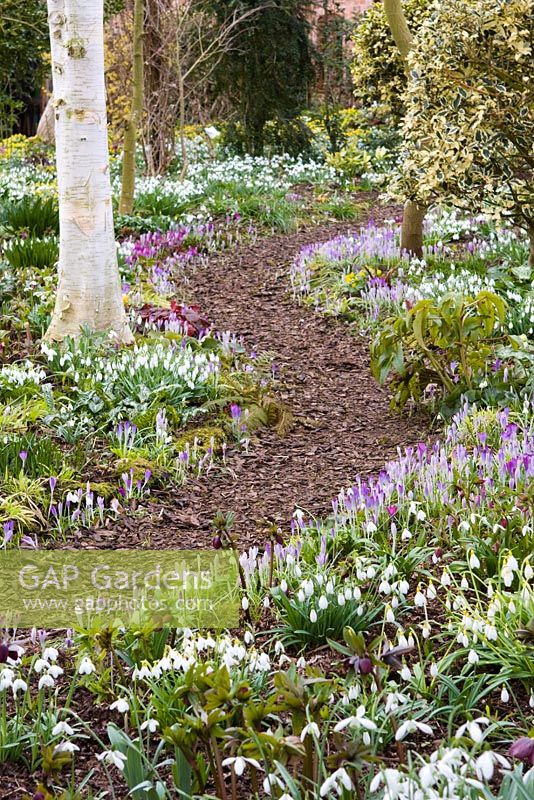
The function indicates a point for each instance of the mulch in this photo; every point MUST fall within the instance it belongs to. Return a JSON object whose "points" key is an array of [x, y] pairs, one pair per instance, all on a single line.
{"points": [[343, 424]]}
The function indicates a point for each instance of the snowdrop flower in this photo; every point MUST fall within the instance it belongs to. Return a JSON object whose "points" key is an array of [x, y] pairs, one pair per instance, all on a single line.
{"points": [[405, 673], [6, 679], [62, 728], [392, 780], [313, 615], [239, 763], [310, 729], [338, 780], [19, 686], [419, 599], [270, 781], [46, 681], [410, 726], [66, 747], [505, 695], [473, 561], [473, 728], [142, 673], [244, 604], [151, 724], [323, 602], [486, 762], [114, 758], [51, 653], [341, 599], [121, 705], [473, 657], [86, 667], [358, 720], [55, 671]]}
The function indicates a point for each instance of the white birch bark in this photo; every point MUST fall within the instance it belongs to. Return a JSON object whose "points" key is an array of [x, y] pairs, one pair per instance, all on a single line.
{"points": [[89, 292]]}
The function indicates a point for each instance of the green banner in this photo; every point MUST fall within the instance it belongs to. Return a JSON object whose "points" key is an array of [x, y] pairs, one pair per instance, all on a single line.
{"points": [[71, 588]]}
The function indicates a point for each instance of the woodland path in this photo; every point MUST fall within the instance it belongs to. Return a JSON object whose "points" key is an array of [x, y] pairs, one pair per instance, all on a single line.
{"points": [[344, 426]]}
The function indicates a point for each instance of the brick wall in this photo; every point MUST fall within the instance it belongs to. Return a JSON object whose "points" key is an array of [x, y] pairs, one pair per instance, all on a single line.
{"points": [[352, 7]]}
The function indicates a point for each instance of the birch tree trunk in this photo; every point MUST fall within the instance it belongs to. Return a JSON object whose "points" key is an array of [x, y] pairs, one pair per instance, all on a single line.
{"points": [[89, 292]]}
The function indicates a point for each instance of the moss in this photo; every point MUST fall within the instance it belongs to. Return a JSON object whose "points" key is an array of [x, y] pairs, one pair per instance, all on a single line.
{"points": [[106, 490], [204, 436], [139, 465]]}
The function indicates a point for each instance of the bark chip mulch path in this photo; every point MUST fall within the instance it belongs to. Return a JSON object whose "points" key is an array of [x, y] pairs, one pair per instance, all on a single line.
{"points": [[343, 428]]}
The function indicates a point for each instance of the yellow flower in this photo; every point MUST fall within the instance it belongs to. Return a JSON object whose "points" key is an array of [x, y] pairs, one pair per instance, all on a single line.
{"points": [[362, 273], [350, 278]]}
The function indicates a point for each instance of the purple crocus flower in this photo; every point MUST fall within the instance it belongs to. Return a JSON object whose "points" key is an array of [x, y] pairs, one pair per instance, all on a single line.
{"points": [[235, 411], [23, 455], [523, 749], [9, 528]]}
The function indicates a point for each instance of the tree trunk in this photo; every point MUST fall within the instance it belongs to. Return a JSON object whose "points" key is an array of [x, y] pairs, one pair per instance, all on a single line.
{"points": [[531, 240], [414, 215], [398, 26], [412, 229], [181, 116], [46, 130], [89, 291], [136, 113]]}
